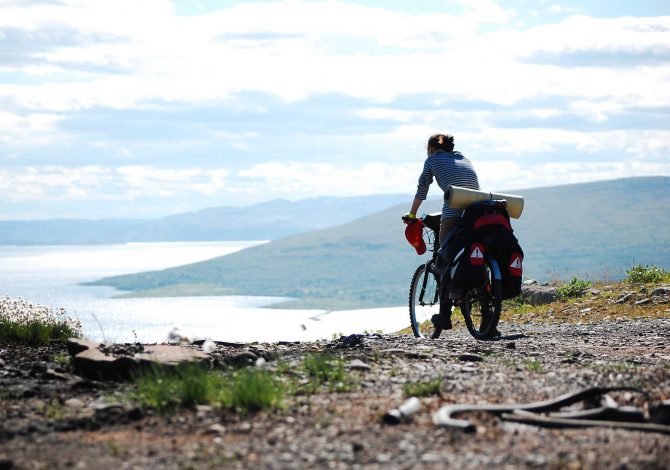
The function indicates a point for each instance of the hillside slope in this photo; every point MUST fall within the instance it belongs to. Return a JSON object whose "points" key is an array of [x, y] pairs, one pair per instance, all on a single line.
{"points": [[591, 230]]}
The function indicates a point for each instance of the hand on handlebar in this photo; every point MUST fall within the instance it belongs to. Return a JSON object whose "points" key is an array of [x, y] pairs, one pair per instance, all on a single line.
{"points": [[409, 218]]}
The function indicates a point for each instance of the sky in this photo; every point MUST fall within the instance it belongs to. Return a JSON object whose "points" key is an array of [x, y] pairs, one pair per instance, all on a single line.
{"points": [[139, 109]]}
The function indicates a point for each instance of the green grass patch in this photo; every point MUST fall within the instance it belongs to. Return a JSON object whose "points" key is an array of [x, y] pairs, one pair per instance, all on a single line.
{"points": [[323, 369], [244, 391], [34, 333], [646, 274], [533, 365], [572, 289], [423, 388]]}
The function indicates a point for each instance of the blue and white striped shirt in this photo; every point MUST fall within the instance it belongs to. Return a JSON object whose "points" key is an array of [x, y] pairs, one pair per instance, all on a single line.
{"points": [[448, 168]]}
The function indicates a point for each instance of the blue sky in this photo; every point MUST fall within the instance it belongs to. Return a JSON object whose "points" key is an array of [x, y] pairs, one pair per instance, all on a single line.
{"points": [[142, 109]]}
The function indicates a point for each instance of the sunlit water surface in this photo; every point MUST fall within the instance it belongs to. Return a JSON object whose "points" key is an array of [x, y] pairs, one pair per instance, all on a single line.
{"points": [[52, 275]]}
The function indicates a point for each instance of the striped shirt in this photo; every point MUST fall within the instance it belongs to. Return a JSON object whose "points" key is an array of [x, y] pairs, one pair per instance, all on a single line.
{"points": [[448, 168]]}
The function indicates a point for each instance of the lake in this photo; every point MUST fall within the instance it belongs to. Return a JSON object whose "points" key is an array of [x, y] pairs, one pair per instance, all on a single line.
{"points": [[52, 275]]}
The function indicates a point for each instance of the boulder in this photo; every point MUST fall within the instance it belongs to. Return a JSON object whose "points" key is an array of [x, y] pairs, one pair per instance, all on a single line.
{"points": [[95, 361]]}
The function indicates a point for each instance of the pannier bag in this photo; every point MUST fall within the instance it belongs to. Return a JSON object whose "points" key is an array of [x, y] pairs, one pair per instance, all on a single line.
{"points": [[484, 230]]}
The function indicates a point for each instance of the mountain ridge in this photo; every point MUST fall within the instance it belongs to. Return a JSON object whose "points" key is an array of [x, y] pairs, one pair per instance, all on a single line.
{"points": [[267, 220], [590, 230]]}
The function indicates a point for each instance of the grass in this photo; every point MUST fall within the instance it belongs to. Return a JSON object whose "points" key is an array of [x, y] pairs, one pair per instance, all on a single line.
{"points": [[25, 323], [423, 388], [533, 365], [646, 274], [323, 369], [244, 391]]}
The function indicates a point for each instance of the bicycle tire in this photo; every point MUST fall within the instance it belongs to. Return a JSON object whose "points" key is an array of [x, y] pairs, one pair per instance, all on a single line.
{"points": [[481, 307], [422, 307]]}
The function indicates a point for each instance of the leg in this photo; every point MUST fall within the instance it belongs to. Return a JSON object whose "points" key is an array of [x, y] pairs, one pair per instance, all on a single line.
{"points": [[444, 318], [447, 224]]}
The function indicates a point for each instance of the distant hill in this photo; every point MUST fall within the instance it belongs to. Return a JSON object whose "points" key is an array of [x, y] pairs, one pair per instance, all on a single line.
{"points": [[266, 221], [591, 230]]}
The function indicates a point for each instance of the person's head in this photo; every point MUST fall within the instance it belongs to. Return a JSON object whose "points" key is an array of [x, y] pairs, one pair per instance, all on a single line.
{"points": [[440, 142]]}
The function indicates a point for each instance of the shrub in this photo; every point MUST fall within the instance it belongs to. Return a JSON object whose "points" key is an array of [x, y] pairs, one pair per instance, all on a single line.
{"points": [[646, 274], [27, 323], [572, 289]]}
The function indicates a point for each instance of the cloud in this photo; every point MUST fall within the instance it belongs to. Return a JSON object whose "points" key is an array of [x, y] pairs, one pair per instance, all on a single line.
{"points": [[32, 129], [124, 183], [297, 97], [315, 179], [511, 175]]}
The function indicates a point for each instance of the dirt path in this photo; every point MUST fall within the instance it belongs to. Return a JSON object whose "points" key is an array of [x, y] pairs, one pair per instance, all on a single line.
{"points": [[50, 418]]}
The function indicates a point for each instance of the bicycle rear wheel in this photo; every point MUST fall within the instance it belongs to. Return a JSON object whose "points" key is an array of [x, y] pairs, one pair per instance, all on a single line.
{"points": [[481, 307], [424, 302]]}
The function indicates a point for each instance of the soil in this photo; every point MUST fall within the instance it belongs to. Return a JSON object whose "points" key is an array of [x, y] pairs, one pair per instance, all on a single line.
{"points": [[50, 417]]}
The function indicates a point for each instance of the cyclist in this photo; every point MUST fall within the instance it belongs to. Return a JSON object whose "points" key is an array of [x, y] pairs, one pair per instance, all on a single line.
{"points": [[448, 167]]}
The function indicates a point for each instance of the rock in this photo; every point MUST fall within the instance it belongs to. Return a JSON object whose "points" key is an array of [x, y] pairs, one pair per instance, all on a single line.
{"points": [[470, 358], [535, 294], [644, 301], [2, 363], [94, 361], [242, 359], [659, 291], [357, 364], [624, 298], [511, 345], [216, 428], [351, 341], [6, 463], [74, 403]]}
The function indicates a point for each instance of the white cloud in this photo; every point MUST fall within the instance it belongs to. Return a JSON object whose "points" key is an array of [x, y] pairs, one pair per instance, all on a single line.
{"points": [[129, 55], [32, 129], [314, 179], [510, 175], [57, 183], [185, 58]]}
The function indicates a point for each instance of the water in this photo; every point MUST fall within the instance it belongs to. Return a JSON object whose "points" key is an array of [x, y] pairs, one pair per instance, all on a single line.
{"points": [[52, 275]]}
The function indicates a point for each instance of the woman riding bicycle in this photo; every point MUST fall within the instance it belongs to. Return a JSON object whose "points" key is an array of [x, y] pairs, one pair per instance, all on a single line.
{"points": [[448, 167]]}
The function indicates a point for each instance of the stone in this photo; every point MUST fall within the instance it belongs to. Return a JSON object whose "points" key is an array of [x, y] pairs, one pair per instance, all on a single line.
{"points": [[535, 294], [92, 362], [74, 403], [357, 364], [470, 358], [241, 359], [216, 428], [624, 298], [2, 363]]}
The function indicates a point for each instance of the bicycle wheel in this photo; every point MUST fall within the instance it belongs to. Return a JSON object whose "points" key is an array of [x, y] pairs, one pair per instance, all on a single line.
{"points": [[481, 307], [424, 302]]}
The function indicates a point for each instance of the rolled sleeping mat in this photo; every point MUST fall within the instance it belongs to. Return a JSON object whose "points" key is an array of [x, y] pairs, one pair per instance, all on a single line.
{"points": [[460, 198]]}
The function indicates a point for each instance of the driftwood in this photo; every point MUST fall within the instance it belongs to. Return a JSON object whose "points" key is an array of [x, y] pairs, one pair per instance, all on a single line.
{"points": [[608, 416]]}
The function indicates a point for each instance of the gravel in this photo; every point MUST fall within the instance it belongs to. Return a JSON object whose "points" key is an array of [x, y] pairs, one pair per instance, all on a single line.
{"points": [[52, 418]]}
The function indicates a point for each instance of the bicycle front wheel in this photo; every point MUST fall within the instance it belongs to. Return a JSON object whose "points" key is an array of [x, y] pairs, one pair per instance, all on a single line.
{"points": [[424, 302], [481, 307]]}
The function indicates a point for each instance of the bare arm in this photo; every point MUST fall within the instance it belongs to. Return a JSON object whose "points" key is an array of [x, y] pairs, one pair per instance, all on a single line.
{"points": [[415, 206]]}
